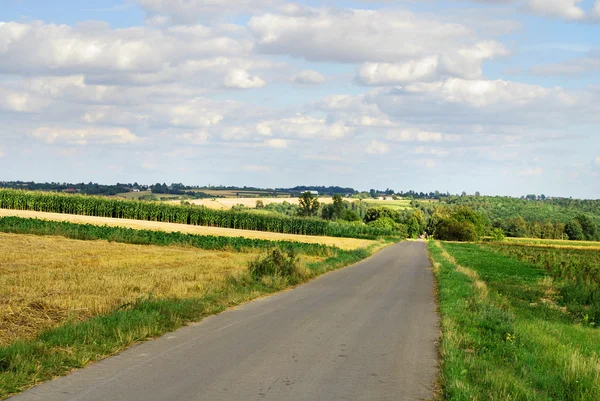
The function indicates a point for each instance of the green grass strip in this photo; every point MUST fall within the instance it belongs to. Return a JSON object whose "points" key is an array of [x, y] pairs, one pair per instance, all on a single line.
{"points": [[500, 341]]}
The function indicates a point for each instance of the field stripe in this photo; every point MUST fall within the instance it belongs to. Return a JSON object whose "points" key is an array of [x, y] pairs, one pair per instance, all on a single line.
{"points": [[343, 243]]}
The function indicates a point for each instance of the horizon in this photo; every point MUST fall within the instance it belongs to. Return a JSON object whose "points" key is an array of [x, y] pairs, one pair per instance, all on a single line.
{"points": [[501, 98], [357, 190]]}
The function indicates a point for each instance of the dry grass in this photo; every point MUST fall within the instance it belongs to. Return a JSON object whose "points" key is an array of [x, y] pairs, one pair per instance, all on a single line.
{"points": [[555, 243], [342, 243], [45, 281], [228, 203]]}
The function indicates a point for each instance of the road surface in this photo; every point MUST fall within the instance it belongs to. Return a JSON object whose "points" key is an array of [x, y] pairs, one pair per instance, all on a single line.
{"points": [[366, 333]]}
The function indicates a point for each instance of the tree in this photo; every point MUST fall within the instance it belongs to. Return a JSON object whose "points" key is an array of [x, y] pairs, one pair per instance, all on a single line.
{"points": [[373, 193], [377, 213], [574, 230], [477, 193], [309, 204], [588, 227], [260, 204]]}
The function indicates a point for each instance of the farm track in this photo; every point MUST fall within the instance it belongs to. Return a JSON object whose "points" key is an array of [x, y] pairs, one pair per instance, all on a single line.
{"points": [[366, 332], [343, 243]]}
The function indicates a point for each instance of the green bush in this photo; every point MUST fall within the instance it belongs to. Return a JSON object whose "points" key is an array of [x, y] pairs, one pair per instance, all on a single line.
{"points": [[449, 229], [275, 264], [497, 234], [383, 222]]}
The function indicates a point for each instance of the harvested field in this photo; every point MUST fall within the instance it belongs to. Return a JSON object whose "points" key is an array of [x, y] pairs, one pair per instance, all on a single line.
{"points": [[45, 281], [555, 243], [343, 243], [228, 203]]}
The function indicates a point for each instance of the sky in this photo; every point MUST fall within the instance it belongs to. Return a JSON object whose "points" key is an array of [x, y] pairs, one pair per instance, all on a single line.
{"points": [[496, 96]]}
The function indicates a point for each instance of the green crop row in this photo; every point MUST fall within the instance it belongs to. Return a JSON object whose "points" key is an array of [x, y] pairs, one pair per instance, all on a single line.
{"points": [[19, 225], [194, 215]]}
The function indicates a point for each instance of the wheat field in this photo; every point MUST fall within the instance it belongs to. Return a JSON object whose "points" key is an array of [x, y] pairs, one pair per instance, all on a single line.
{"points": [[342, 243], [45, 281]]}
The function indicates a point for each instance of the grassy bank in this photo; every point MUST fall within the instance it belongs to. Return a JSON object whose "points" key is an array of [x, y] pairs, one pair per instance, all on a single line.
{"points": [[505, 335], [75, 342]]}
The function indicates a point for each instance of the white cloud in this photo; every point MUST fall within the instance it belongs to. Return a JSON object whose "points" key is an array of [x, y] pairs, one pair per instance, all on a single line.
{"points": [[83, 136], [377, 148], [359, 35], [2, 153], [566, 9], [484, 93], [598, 161], [531, 172], [93, 48], [596, 10], [308, 77], [390, 74], [192, 10], [264, 129], [276, 143], [416, 135], [241, 79], [437, 152], [20, 101], [195, 138]]}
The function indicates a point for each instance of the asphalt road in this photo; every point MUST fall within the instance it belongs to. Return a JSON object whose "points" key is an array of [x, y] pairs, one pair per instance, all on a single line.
{"points": [[365, 333]]}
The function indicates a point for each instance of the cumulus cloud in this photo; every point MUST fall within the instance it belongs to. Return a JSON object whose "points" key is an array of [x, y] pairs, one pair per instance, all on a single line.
{"points": [[308, 77], [566, 9], [276, 143], [241, 79], [416, 135], [193, 10], [195, 138], [355, 36], [377, 148], [84, 136], [464, 62], [596, 10], [39, 48], [598, 161]]}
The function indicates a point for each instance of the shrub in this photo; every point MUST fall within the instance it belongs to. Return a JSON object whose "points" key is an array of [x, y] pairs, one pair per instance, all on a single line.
{"points": [[351, 215], [383, 222], [449, 229], [275, 264], [497, 234]]}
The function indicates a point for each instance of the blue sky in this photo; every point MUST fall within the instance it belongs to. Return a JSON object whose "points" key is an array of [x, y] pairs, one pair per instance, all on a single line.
{"points": [[499, 97]]}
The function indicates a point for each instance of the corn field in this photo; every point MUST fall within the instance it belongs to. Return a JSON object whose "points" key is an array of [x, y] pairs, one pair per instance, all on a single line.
{"points": [[193, 215]]}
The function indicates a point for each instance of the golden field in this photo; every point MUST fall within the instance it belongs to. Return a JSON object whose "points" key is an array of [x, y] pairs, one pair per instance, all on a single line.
{"points": [[228, 203], [343, 243], [45, 281], [555, 243]]}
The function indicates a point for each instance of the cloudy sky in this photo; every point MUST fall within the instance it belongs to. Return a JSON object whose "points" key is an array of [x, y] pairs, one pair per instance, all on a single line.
{"points": [[496, 96]]}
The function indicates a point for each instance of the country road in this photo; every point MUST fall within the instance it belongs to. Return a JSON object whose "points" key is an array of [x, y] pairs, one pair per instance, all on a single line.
{"points": [[365, 333]]}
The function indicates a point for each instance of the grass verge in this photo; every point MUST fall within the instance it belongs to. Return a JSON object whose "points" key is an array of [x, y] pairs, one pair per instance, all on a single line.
{"points": [[501, 337], [56, 351]]}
